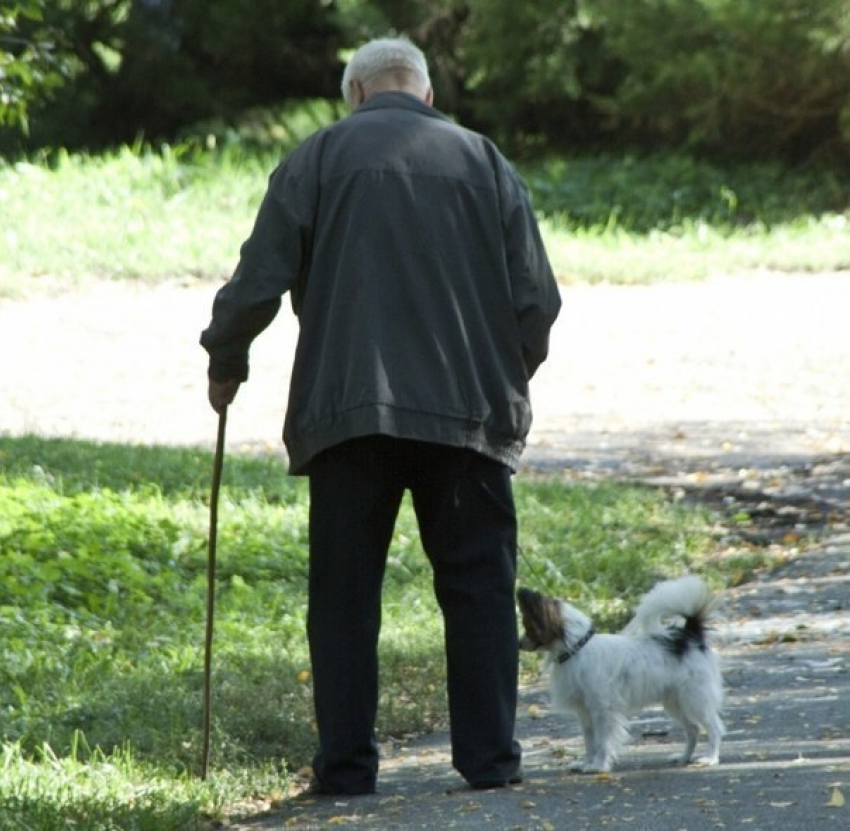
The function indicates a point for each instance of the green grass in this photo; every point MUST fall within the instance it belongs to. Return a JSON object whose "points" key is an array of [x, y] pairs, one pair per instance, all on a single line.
{"points": [[697, 251], [102, 603], [130, 214], [670, 217], [99, 793], [183, 211]]}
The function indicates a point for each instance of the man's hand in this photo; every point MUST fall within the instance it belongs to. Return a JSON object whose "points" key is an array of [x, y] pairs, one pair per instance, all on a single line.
{"points": [[222, 393]]}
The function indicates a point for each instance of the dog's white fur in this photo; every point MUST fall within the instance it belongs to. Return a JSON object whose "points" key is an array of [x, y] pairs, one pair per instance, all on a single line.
{"points": [[613, 676]]}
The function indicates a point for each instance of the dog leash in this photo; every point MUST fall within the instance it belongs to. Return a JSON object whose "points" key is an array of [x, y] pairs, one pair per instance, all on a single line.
{"points": [[533, 571], [218, 465]]}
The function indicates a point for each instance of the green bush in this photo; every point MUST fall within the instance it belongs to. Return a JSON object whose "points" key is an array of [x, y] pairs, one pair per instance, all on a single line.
{"points": [[662, 192], [753, 78]]}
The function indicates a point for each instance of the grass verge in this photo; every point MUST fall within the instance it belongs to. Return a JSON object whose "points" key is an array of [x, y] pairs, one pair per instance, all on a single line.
{"points": [[184, 211], [102, 588]]}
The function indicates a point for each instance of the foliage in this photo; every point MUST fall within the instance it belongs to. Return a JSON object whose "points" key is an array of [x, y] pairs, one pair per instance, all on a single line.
{"points": [[532, 71], [153, 68], [749, 79], [102, 591], [753, 79], [29, 66], [759, 78], [660, 192]]}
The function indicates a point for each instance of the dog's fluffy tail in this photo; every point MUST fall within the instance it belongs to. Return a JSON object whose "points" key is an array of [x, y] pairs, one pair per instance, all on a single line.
{"points": [[686, 597]]}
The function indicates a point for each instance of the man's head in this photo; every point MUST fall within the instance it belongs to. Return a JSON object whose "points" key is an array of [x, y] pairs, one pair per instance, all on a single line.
{"points": [[383, 65]]}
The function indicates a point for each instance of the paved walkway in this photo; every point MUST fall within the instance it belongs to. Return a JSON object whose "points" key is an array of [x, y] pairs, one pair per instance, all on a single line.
{"points": [[749, 367], [785, 646]]}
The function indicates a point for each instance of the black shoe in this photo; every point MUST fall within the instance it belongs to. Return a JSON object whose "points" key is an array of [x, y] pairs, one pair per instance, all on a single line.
{"points": [[493, 784]]}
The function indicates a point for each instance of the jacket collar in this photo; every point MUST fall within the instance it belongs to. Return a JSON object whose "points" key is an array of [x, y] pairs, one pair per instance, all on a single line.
{"points": [[398, 101]]}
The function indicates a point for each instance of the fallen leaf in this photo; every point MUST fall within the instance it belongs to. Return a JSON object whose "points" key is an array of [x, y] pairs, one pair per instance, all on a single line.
{"points": [[836, 800]]}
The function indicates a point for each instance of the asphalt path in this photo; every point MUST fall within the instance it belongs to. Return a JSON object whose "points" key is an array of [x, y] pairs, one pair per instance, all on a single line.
{"points": [[784, 641]]}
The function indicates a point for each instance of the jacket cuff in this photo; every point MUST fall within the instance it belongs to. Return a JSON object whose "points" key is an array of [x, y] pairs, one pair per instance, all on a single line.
{"points": [[232, 370]]}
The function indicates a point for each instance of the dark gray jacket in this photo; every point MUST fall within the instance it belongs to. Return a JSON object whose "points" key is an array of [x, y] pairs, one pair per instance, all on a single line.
{"points": [[419, 278]]}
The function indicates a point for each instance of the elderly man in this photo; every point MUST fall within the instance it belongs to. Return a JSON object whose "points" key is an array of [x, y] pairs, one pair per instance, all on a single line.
{"points": [[424, 298]]}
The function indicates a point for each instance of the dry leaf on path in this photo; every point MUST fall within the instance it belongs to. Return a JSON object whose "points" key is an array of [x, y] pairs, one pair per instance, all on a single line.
{"points": [[836, 800]]}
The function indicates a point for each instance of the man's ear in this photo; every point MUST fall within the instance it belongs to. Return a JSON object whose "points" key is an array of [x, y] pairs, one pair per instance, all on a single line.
{"points": [[429, 97], [358, 94]]}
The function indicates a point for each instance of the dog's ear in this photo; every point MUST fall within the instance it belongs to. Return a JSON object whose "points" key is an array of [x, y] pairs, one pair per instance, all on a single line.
{"points": [[525, 597], [541, 618]]}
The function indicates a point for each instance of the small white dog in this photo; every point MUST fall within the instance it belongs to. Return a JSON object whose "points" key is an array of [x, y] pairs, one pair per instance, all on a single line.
{"points": [[605, 678]]}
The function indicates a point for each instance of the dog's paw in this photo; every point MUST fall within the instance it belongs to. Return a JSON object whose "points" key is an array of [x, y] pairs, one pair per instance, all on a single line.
{"points": [[596, 767], [706, 761]]}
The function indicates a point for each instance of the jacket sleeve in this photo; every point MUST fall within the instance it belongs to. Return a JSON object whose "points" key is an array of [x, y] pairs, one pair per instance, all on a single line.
{"points": [[536, 297], [271, 261]]}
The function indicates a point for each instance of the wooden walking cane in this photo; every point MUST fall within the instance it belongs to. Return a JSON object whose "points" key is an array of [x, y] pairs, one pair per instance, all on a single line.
{"points": [[218, 464]]}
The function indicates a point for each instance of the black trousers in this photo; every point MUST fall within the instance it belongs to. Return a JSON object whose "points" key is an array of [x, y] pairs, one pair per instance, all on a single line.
{"points": [[467, 523]]}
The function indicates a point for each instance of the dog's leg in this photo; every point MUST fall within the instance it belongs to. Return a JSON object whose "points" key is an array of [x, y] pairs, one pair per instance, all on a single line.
{"points": [[692, 734], [715, 730], [695, 712], [608, 733], [674, 709], [589, 742]]}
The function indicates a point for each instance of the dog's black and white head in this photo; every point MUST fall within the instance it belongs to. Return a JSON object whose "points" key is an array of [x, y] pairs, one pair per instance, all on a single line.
{"points": [[550, 624]]}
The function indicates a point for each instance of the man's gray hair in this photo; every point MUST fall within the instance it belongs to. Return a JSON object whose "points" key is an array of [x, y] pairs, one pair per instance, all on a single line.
{"points": [[386, 56]]}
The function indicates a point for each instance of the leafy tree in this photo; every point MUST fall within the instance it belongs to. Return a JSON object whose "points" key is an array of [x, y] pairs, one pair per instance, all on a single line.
{"points": [[78, 43], [153, 67], [30, 65], [535, 69], [734, 77], [740, 77], [188, 60]]}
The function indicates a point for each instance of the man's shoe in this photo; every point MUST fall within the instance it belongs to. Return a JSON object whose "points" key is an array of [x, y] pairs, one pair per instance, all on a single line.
{"points": [[493, 784]]}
